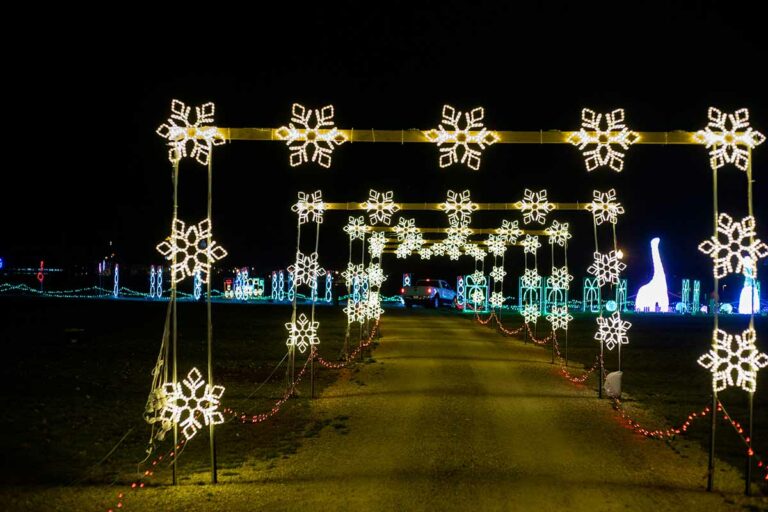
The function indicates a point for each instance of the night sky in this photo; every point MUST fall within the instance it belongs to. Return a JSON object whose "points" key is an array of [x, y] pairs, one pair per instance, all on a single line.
{"points": [[85, 167]]}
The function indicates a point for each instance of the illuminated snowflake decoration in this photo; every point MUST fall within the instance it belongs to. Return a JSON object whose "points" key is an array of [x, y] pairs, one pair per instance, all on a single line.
{"points": [[375, 274], [356, 228], [380, 207], [558, 233], [302, 333], [355, 311], [439, 248], [559, 317], [530, 313], [606, 268], [453, 253], [413, 241], [352, 272], [535, 206], [531, 244], [475, 251], [734, 242], [310, 207], [477, 297], [724, 143], [373, 310], [190, 400], [603, 153], [190, 247], [498, 273], [496, 300], [404, 228], [531, 278], [457, 139], [496, 245], [612, 331], [734, 355], [306, 270], [457, 235], [478, 278], [425, 253], [180, 132], [401, 252], [301, 135], [509, 231], [376, 244], [604, 207], [459, 208], [560, 278]]}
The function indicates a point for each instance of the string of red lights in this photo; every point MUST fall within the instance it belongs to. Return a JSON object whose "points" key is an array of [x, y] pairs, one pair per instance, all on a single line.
{"points": [[352, 355]]}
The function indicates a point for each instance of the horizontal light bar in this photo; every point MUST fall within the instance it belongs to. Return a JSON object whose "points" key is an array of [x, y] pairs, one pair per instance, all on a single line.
{"points": [[436, 206]]}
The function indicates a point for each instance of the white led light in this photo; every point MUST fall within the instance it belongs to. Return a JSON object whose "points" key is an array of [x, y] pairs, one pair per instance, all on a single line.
{"points": [[185, 404], [459, 208], [531, 244], [190, 246], [612, 331], [302, 333], [603, 153], [558, 233], [535, 206], [355, 311], [530, 313], [723, 143], [306, 270], [455, 137], [734, 242], [560, 278], [741, 359], [376, 275], [453, 252], [380, 207], [509, 231], [559, 317], [606, 268], [531, 278], [604, 207], [496, 244], [373, 309], [356, 228], [425, 253], [180, 132], [321, 137], [376, 243], [496, 300], [310, 207], [498, 273], [404, 228]]}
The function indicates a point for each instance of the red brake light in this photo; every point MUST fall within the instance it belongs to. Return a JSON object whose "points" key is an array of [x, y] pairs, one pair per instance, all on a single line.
{"points": [[429, 290], [402, 290]]}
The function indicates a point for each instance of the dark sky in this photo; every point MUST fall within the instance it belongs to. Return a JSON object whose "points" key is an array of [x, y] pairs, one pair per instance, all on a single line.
{"points": [[84, 166]]}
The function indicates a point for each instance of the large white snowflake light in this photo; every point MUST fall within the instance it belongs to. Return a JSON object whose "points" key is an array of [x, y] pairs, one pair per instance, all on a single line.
{"points": [[306, 270], [404, 228], [509, 231], [496, 244], [734, 355], [558, 233], [310, 207], [726, 145], [498, 273], [459, 208], [604, 207], [373, 308], [496, 300], [180, 132], [616, 132], [606, 268], [454, 137], [531, 278], [191, 249], [560, 278], [559, 317], [535, 206], [321, 137], [612, 331], [190, 400], [376, 244], [531, 244], [530, 313], [302, 333], [375, 274], [734, 242], [356, 228], [380, 207], [352, 272], [356, 311]]}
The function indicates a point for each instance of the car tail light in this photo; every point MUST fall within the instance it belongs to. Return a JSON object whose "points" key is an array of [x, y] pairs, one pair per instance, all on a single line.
{"points": [[402, 290], [429, 290]]}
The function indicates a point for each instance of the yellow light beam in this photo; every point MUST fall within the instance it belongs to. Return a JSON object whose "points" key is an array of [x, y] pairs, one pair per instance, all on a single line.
{"points": [[436, 206], [475, 231]]}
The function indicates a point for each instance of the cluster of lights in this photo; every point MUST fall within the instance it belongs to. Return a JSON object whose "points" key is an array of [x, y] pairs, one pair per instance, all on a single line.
{"points": [[612, 330], [356, 228], [116, 282], [531, 279], [179, 131], [455, 137], [497, 299], [723, 142], [186, 401], [302, 333], [376, 275], [558, 233], [197, 286], [190, 248], [559, 317], [734, 355], [301, 135], [459, 208], [498, 273], [560, 278], [156, 281], [425, 253], [734, 242], [535, 206], [603, 153], [604, 207], [531, 244], [373, 309], [530, 313], [380, 207], [496, 244], [606, 268], [376, 244], [509, 231], [306, 270], [355, 311], [310, 207]]}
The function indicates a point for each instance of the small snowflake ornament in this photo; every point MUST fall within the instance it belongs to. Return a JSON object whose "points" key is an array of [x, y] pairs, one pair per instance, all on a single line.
{"points": [[559, 317], [380, 207], [612, 331], [509, 231], [189, 245], [306, 270], [498, 273], [560, 278], [531, 244], [606, 268], [558, 233], [356, 228], [189, 401], [310, 207], [496, 300], [302, 333], [459, 208], [535, 206], [530, 313], [604, 207]]}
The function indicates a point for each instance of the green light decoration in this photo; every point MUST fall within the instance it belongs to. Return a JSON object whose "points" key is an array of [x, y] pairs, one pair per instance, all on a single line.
{"points": [[591, 295]]}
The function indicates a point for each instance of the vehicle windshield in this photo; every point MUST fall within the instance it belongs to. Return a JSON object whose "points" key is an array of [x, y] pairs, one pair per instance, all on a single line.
{"points": [[427, 282]]}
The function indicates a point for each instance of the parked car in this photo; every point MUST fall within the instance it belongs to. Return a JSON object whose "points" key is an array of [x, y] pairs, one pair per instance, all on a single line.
{"points": [[428, 292]]}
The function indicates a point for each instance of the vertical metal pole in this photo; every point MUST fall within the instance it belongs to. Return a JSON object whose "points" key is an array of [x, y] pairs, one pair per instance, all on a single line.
{"points": [[713, 419], [602, 372], [750, 432], [174, 316], [212, 436], [312, 373], [748, 473]]}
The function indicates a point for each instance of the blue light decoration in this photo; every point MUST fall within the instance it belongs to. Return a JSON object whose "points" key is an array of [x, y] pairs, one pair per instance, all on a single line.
{"points": [[749, 298], [611, 306], [476, 294], [356, 285], [159, 282], [726, 308], [2, 263], [152, 280], [461, 295], [273, 286], [529, 289], [590, 295], [197, 287], [653, 296], [281, 286], [406, 280], [116, 287], [313, 290], [229, 293], [685, 295], [328, 287], [364, 286], [695, 307], [621, 294], [239, 286], [291, 295]]}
